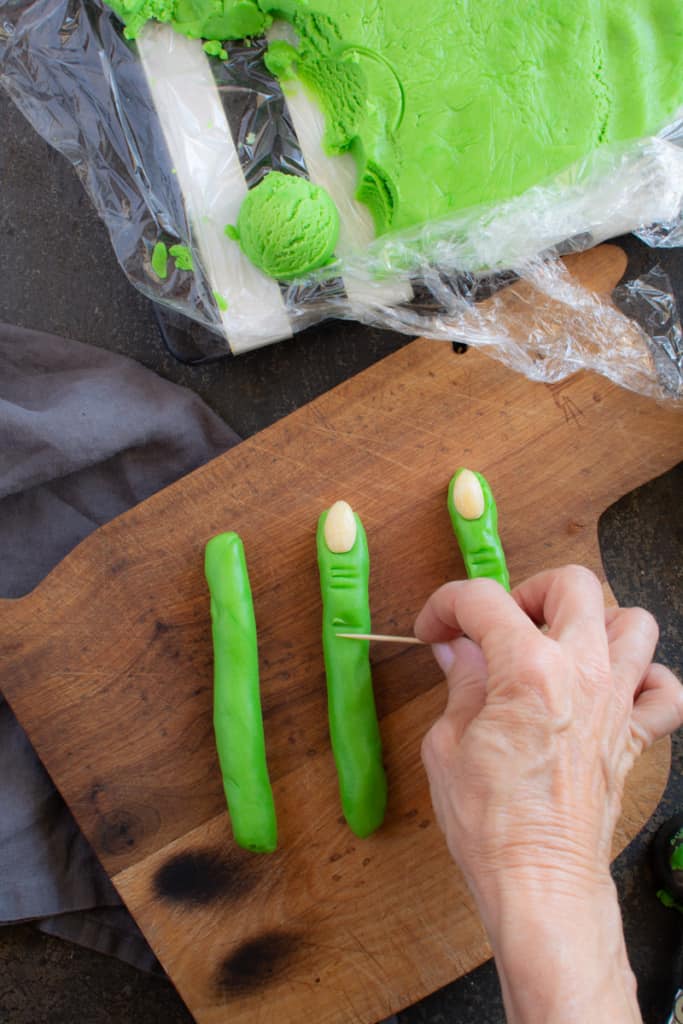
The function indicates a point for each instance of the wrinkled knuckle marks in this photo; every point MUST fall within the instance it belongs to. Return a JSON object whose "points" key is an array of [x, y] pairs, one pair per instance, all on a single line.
{"points": [[540, 665], [595, 672], [639, 739]]}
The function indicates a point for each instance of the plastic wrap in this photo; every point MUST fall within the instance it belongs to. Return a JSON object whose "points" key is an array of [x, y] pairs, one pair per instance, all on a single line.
{"points": [[677, 1012], [167, 140]]}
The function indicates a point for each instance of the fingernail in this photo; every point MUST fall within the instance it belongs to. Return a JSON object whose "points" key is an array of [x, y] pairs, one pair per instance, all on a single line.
{"points": [[444, 656]]}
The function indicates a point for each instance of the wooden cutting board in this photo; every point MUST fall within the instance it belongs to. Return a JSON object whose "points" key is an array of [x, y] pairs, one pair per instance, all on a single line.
{"points": [[108, 666]]}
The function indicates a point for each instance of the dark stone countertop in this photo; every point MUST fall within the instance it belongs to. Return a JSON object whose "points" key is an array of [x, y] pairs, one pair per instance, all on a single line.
{"points": [[50, 281]]}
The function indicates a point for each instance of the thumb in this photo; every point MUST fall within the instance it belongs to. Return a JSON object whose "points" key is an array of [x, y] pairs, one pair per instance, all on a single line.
{"points": [[466, 676]]}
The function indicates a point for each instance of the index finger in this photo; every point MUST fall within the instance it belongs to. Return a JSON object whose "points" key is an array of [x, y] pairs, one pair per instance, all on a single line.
{"points": [[478, 608]]}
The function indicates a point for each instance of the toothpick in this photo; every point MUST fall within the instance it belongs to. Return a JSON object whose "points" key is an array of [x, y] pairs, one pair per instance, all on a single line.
{"points": [[382, 637]]}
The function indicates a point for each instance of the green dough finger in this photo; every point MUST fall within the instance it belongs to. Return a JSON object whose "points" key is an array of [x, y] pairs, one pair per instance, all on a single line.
{"points": [[354, 730], [474, 517], [237, 717]]}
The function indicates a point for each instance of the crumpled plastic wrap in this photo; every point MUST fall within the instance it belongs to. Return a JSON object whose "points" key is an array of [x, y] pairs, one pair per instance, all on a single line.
{"points": [[167, 140], [677, 1012]]}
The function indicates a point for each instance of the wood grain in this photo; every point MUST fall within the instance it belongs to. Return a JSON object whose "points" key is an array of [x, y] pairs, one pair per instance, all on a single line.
{"points": [[108, 666]]}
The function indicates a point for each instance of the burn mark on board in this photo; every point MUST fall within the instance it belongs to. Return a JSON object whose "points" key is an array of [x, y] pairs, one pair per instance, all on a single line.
{"points": [[257, 963], [200, 877]]}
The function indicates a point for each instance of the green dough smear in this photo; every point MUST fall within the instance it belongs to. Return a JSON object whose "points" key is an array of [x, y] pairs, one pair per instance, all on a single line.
{"points": [[287, 226], [446, 104]]}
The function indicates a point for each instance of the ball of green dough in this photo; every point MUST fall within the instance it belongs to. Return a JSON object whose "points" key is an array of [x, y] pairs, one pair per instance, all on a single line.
{"points": [[287, 226]]}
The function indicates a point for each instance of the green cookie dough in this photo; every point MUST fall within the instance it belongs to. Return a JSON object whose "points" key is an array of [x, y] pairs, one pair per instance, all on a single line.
{"points": [[214, 20], [182, 257], [281, 59], [668, 900], [160, 260], [215, 49], [287, 226], [677, 856], [448, 104]]}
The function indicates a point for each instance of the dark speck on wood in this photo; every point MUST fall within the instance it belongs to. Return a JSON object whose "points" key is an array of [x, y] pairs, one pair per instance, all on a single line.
{"points": [[119, 831], [96, 791]]}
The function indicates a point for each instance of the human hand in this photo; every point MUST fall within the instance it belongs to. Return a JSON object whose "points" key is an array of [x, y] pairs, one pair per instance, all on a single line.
{"points": [[528, 761]]}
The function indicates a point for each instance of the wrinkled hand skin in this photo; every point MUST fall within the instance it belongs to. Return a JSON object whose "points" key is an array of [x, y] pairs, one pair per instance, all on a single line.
{"points": [[526, 767]]}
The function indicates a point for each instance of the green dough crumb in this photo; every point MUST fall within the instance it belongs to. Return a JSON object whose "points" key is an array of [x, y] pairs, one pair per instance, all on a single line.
{"points": [[182, 256], [287, 226], [665, 897], [676, 859], [220, 301], [215, 48], [280, 59], [232, 232], [160, 260]]}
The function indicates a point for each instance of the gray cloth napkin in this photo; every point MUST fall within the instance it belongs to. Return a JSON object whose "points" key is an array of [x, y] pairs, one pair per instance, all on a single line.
{"points": [[84, 435]]}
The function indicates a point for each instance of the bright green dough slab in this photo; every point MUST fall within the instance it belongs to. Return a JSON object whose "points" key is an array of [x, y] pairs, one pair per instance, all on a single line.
{"points": [[498, 94], [446, 104]]}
